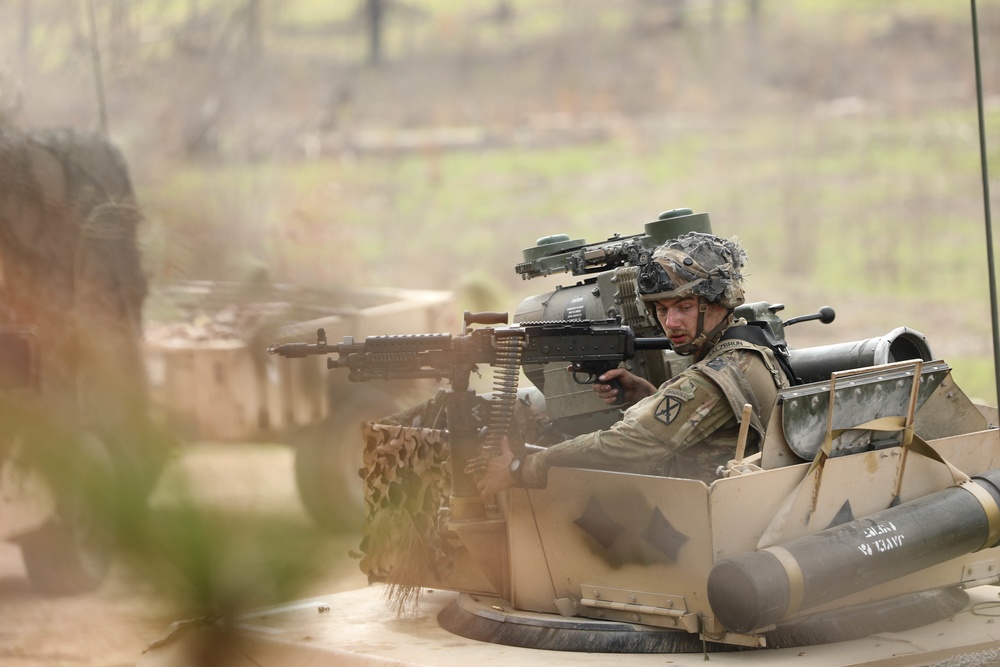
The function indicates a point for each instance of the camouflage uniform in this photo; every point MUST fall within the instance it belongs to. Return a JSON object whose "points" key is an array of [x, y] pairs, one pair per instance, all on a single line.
{"points": [[690, 425], [688, 428]]}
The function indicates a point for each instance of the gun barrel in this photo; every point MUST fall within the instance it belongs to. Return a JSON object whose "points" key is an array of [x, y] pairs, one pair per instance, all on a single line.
{"points": [[403, 343], [442, 355], [657, 343], [295, 350]]}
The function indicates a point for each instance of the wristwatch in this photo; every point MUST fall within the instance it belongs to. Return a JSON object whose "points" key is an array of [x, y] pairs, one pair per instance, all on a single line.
{"points": [[516, 469]]}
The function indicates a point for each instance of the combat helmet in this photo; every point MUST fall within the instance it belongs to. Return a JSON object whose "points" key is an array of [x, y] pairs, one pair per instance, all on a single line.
{"points": [[695, 265]]}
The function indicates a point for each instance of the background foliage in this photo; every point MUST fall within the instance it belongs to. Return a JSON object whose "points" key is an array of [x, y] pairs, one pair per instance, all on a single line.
{"points": [[836, 139]]}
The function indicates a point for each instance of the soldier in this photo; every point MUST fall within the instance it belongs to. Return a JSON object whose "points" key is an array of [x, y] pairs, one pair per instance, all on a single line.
{"points": [[689, 426]]}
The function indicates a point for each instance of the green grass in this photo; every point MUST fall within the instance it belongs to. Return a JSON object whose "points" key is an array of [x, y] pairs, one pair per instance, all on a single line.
{"points": [[873, 207], [882, 205], [879, 214], [975, 377]]}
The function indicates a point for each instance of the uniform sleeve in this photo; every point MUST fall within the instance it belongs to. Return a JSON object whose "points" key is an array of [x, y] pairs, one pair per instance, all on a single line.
{"points": [[684, 411]]}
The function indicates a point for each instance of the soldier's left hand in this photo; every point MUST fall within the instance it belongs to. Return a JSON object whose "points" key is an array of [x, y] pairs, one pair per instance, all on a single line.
{"points": [[496, 475]]}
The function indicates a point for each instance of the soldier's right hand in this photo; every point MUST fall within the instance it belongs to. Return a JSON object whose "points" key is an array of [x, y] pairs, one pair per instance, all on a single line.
{"points": [[634, 387]]}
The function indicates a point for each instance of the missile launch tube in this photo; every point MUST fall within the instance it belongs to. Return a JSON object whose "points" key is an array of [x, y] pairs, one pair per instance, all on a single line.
{"points": [[754, 590], [815, 364]]}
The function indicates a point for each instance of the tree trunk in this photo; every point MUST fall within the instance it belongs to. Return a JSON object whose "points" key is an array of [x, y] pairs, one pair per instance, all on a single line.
{"points": [[375, 13], [255, 39], [120, 37], [26, 25]]}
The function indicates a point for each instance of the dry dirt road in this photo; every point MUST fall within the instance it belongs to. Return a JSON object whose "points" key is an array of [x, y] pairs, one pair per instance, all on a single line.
{"points": [[112, 626]]}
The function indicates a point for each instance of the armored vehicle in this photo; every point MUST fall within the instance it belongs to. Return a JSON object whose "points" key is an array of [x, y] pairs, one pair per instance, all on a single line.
{"points": [[869, 518], [865, 530]]}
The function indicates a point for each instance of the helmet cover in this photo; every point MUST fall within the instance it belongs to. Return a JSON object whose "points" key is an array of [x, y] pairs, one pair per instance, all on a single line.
{"points": [[695, 265]]}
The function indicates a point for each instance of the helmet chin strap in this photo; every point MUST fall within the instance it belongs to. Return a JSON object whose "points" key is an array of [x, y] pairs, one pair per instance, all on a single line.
{"points": [[700, 335]]}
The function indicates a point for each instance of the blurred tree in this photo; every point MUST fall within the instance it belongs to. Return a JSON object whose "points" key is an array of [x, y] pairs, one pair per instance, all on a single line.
{"points": [[754, 42], [26, 26], [374, 14], [678, 13], [119, 33], [753, 12], [503, 11], [95, 59], [11, 100], [242, 32], [254, 26], [77, 17], [657, 14]]}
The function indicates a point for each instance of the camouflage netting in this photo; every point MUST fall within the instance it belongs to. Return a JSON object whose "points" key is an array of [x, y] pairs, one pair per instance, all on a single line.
{"points": [[406, 480], [70, 267]]}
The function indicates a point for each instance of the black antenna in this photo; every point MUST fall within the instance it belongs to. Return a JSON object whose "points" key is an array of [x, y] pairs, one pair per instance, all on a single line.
{"points": [[95, 59], [986, 201]]}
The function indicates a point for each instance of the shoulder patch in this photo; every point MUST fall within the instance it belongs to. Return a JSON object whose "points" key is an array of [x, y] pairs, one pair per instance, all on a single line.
{"points": [[683, 396], [717, 364], [669, 407]]}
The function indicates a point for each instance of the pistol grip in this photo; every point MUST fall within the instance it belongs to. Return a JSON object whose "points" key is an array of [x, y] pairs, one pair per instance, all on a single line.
{"points": [[616, 384]]}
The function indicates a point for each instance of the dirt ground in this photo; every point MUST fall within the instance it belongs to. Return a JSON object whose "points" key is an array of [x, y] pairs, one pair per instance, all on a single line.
{"points": [[112, 626]]}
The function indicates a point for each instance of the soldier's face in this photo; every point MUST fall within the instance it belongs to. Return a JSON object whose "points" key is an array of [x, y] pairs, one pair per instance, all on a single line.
{"points": [[679, 318]]}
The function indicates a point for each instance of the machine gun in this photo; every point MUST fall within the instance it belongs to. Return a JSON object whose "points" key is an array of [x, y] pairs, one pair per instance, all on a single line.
{"points": [[591, 348]]}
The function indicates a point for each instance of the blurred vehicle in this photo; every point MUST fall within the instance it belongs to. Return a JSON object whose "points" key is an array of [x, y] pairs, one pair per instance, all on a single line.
{"points": [[77, 450], [212, 380]]}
